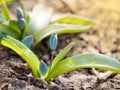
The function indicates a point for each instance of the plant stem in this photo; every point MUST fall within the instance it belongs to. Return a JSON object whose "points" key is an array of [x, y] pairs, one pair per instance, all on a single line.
{"points": [[53, 53]]}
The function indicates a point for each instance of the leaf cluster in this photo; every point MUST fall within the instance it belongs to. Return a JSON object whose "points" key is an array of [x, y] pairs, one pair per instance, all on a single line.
{"points": [[38, 24], [60, 65]]}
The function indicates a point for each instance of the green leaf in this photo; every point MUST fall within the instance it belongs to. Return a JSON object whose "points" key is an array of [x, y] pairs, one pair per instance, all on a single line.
{"points": [[2, 19], [85, 61], [5, 11], [24, 52], [6, 1], [43, 68], [60, 56], [4, 28], [10, 28], [13, 26], [39, 18], [74, 20], [58, 28]]}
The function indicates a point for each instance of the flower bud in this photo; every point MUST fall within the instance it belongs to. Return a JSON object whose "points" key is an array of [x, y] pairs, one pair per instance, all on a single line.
{"points": [[20, 13], [43, 68], [53, 41], [21, 23], [28, 41]]}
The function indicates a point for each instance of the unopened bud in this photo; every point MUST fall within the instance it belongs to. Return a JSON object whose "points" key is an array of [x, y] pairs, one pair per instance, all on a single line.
{"points": [[21, 23], [53, 41], [20, 13]]}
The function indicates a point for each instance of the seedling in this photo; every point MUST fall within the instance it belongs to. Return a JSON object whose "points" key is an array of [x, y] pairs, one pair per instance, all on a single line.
{"points": [[38, 24], [60, 65]]}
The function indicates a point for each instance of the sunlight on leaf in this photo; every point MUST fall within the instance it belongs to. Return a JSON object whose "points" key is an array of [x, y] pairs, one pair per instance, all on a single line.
{"points": [[74, 20], [7, 1]]}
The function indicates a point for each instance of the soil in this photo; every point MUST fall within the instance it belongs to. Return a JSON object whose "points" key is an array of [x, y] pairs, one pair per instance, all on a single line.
{"points": [[103, 37]]}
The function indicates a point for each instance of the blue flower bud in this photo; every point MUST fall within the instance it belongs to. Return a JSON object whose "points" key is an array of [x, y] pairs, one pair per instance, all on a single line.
{"points": [[21, 23], [20, 13], [53, 41], [43, 68], [28, 41]]}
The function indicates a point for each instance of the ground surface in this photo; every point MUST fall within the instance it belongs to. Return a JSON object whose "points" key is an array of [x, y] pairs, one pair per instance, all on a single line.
{"points": [[103, 37]]}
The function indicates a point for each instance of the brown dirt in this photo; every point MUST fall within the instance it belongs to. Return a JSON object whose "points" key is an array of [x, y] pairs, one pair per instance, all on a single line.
{"points": [[103, 37]]}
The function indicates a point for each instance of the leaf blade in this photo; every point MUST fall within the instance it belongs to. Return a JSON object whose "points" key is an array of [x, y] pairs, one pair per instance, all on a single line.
{"points": [[61, 55], [59, 29], [2, 19], [13, 26], [24, 52], [6, 1], [5, 11], [74, 20], [85, 61], [8, 31]]}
